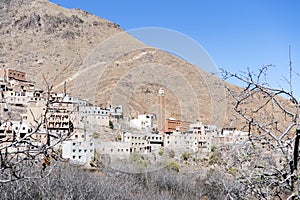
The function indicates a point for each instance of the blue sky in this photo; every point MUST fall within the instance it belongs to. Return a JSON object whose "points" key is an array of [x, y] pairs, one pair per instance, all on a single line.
{"points": [[236, 33]]}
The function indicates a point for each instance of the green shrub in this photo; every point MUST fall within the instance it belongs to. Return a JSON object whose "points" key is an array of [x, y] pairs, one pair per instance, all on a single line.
{"points": [[161, 151], [213, 148], [186, 156], [118, 137], [95, 135], [213, 159], [173, 166], [232, 171], [111, 125], [139, 160], [171, 154]]}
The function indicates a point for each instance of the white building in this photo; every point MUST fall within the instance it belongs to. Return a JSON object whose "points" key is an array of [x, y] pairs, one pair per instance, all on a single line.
{"points": [[17, 129], [75, 100], [116, 111], [143, 122], [79, 152]]}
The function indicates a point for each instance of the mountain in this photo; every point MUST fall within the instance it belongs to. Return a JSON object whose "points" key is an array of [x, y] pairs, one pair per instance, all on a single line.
{"points": [[99, 61]]}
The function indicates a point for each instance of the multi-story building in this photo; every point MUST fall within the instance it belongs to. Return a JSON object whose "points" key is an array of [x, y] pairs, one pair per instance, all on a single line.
{"points": [[94, 115], [9, 74], [155, 140], [80, 152], [138, 142], [59, 121], [175, 125], [143, 122], [116, 112], [230, 136], [204, 136], [181, 141]]}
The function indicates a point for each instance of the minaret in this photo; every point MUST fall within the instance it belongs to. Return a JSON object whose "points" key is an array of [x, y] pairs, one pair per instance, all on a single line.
{"points": [[161, 110]]}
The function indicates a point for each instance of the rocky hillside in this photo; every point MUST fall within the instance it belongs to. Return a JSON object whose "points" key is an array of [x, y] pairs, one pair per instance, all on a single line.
{"points": [[99, 61]]}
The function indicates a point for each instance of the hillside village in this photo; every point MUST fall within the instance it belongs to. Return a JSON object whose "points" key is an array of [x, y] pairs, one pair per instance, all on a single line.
{"points": [[36, 117]]}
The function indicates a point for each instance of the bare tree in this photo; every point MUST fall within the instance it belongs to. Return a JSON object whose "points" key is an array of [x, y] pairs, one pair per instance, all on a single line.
{"points": [[268, 164]]}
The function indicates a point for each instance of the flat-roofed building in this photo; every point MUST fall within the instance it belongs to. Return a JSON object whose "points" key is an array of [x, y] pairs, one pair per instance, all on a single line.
{"points": [[8, 74], [172, 125]]}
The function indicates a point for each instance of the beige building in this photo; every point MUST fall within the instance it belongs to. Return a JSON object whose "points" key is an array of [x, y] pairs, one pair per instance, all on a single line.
{"points": [[138, 142], [204, 136], [181, 142], [118, 149]]}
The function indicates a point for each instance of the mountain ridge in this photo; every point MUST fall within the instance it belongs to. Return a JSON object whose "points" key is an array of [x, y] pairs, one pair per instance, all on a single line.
{"points": [[101, 62]]}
